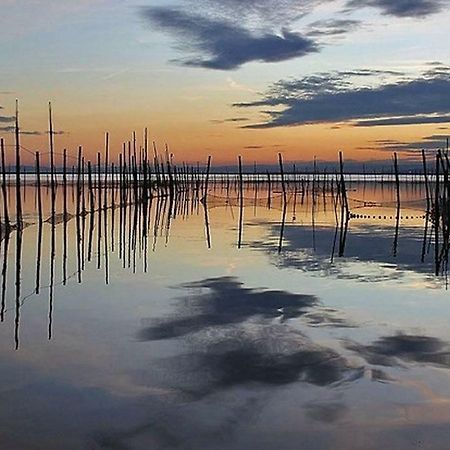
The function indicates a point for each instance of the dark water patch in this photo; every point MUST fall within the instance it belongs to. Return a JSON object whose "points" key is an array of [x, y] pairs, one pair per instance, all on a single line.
{"points": [[327, 318], [226, 301], [326, 412], [271, 359], [392, 350], [242, 336], [311, 250]]}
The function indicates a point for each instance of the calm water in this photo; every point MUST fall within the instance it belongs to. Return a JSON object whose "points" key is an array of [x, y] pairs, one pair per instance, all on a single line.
{"points": [[133, 329]]}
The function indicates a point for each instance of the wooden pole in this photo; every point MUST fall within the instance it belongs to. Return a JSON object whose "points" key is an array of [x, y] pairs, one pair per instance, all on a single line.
{"points": [[38, 187], [241, 202], [18, 196], [4, 189], [425, 177], [205, 192], [283, 184]]}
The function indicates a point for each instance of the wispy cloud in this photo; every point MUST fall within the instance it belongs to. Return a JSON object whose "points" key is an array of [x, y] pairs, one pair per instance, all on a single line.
{"points": [[362, 97], [408, 120], [231, 120], [430, 143], [11, 129], [6, 119], [332, 27], [223, 45], [401, 8], [256, 13], [233, 84]]}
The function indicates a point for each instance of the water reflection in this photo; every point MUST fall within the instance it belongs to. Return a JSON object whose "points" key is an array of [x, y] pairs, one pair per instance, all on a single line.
{"points": [[247, 356], [368, 244], [227, 301], [326, 412], [393, 350], [323, 228], [241, 336]]}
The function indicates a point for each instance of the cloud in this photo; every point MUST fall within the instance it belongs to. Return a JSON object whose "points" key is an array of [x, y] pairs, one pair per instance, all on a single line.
{"points": [[409, 120], [357, 96], [428, 143], [225, 34], [401, 8], [6, 119], [279, 13], [223, 45], [57, 133], [11, 129], [256, 13], [231, 120], [332, 27]]}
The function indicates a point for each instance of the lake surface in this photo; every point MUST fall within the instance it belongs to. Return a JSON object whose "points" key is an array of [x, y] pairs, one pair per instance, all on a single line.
{"points": [[177, 326]]}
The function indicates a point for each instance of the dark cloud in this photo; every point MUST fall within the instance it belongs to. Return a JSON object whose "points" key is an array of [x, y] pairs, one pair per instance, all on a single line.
{"points": [[11, 129], [232, 120], [410, 120], [225, 34], [392, 350], [428, 143], [401, 8], [8, 129], [6, 119], [57, 133], [223, 45], [355, 96], [264, 13]]}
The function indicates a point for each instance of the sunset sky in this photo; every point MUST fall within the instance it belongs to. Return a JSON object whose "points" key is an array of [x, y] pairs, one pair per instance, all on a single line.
{"points": [[226, 77]]}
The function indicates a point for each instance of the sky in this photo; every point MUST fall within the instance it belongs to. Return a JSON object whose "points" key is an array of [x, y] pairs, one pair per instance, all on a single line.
{"points": [[306, 78]]}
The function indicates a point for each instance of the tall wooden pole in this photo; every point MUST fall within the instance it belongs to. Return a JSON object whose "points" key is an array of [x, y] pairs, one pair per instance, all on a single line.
{"points": [[4, 189], [18, 196]]}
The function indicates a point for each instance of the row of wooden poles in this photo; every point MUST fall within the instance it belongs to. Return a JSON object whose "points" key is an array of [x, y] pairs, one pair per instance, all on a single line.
{"points": [[137, 177], [128, 231], [133, 216]]}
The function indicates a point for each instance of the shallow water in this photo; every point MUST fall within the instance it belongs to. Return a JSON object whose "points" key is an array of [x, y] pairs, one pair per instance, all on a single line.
{"points": [[173, 328]]}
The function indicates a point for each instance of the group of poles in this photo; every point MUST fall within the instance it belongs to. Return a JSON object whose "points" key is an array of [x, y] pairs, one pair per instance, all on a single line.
{"points": [[141, 173]]}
